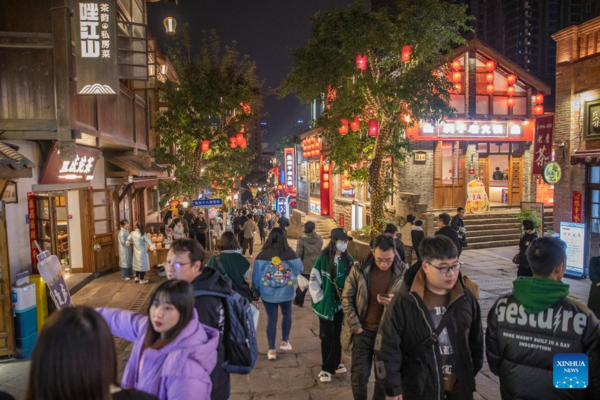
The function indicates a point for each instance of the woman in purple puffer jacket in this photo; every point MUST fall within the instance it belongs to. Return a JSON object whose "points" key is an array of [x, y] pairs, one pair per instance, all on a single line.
{"points": [[173, 354]]}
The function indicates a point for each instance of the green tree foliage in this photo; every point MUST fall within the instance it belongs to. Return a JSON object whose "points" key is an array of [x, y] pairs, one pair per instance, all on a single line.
{"points": [[288, 141], [389, 89], [207, 104]]}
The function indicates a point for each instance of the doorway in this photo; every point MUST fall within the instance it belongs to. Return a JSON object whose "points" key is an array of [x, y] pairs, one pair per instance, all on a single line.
{"points": [[449, 175], [52, 225], [501, 170]]}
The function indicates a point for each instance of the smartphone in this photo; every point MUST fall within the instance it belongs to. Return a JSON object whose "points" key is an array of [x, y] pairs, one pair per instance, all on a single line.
{"points": [[387, 296]]}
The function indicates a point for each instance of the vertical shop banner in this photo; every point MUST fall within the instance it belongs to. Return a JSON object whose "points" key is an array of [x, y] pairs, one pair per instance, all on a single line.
{"points": [[96, 47], [542, 148], [289, 167], [573, 234], [51, 270], [33, 234], [576, 206]]}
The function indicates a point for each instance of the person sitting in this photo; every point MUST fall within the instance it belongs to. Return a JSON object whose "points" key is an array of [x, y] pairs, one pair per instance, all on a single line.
{"points": [[498, 175]]}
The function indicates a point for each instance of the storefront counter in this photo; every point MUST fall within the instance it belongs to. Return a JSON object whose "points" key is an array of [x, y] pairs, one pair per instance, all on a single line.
{"points": [[499, 192]]}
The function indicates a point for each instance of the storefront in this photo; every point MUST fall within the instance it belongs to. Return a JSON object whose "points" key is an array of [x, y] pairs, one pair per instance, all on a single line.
{"points": [[315, 178]]}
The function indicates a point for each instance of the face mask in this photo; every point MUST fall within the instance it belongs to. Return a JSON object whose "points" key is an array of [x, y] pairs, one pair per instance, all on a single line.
{"points": [[341, 246]]}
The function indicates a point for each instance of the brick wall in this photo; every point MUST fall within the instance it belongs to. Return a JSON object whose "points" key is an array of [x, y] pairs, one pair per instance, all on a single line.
{"points": [[417, 178]]}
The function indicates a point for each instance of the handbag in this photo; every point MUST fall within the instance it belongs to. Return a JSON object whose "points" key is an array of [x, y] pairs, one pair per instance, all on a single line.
{"points": [[303, 283]]}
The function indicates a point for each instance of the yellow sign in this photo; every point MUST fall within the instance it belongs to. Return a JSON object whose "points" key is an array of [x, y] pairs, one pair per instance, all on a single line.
{"points": [[477, 199]]}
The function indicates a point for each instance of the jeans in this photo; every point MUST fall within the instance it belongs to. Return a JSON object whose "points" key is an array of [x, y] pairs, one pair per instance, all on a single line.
{"points": [[300, 294], [331, 346], [126, 273], [362, 361], [248, 244], [140, 274], [286, 323]]}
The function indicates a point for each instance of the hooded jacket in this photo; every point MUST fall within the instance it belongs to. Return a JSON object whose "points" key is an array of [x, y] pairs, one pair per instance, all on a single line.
{"points": [[308, 249], [325, 303], [406, 324], [527, 327], [276, 287], [178, 371]]}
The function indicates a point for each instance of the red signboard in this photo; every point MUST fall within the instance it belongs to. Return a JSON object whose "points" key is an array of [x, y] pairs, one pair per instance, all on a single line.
{"points": [[483, 130], [289, 167], [542, 148], [80, 170], [576, 206], [33, 235], [341, 220]]}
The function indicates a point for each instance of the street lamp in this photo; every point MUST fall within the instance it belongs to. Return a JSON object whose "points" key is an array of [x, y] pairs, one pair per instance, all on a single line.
{"points": [[170, 25], [185, 204]]}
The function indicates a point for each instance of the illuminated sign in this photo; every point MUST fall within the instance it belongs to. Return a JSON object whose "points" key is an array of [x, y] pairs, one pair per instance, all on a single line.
{"points": [[478, 129], [79, 170], [315, 206], [289, 167], [573, 234], [552, 173]]}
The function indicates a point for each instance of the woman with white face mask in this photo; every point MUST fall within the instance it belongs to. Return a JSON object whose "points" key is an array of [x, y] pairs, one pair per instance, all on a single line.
{"points": [[327, 280]]}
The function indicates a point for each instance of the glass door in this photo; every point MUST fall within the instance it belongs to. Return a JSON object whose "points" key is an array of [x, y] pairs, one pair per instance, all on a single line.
{"points": [[52, 225]]}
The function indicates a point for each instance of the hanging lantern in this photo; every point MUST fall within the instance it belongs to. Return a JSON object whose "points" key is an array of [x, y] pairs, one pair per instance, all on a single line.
{"points": [[361, 62], [173, 203], [373, 128], [325, 185], [241, 178], [511, 79], [489, 88], [204, 146], [239, 138], [326, 167], [355, 125], [232, 142], [539, 99], [344, 129], [325, 177], [244, 143], [170, 25], [246, 108], [212, 186], [457, 88], [406, 53], [511, 102], [331, 93], [538, 110], [489, 77], [456, 77], [456, 65], [490, 66], [510, 90]]}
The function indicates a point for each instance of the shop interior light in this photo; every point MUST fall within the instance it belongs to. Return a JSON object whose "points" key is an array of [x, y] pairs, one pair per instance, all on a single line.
{"points": [[170, 25]]}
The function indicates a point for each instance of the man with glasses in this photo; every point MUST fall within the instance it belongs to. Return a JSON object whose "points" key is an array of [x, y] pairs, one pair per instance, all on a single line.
{"points": [[368, 290], [430, 341], [185, 261]]}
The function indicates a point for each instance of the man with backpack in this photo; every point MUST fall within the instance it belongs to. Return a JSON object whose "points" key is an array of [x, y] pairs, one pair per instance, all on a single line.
{"points": [[219, 307]]}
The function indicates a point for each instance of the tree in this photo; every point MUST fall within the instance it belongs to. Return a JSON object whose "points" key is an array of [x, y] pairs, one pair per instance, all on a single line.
{"points": [[288, 141], [217, 93], [394, 92]]}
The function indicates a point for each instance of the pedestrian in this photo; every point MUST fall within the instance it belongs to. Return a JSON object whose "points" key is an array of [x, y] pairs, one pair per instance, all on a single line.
{"points": [[240, 224], [458, 224], [284, 222], [535, 322], [124, 251], [233, 265], [185, 261], [594, 297], [178, 231], [173, 354], [405, 231], [271, 222], [417, 235], [249, 230], [392, 230], [186, 226], [528, 236], [327, 280], [190, 218], [367, 291], [274, 275], [72, 337], [308, 248], [168, 217], [201, 228], [262, 229], [430, 340], [443, 223], [140, 243]]}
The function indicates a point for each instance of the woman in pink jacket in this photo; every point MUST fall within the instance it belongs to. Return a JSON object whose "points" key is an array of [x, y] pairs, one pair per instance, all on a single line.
{"points": [[173, 354]]}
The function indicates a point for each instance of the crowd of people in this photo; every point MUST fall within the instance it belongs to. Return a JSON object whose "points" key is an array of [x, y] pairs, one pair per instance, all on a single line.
{"points": [[418, 324]]}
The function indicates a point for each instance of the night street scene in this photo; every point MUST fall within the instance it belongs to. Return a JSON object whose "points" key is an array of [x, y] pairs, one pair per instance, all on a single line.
{"points": [[299, 200]]}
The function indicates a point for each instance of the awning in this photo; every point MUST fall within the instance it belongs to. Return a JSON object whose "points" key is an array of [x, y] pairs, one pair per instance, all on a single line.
{"points": [[140, 166], [586, 157], [13, 164], [142, 183]]}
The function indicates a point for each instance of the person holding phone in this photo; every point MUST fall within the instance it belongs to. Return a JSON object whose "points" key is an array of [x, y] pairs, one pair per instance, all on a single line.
{"points": [[367, 291]]}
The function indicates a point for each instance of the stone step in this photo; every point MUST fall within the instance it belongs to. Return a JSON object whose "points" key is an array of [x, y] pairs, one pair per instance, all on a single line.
{"points": [[493, 232], [491, 221], [494, 238], [496, 243], [493, 227]]}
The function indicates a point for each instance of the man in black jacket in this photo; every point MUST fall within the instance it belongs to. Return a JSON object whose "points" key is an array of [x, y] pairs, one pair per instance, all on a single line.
{"points": [[185, 261], [528, 327], [458, 224], [430, 341], [443, 223]]}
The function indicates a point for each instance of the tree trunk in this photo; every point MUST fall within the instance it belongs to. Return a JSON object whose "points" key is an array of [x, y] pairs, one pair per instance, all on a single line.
{"points": [[377, 181]]}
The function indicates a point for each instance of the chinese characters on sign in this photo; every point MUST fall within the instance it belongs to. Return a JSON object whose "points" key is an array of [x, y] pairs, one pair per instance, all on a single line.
{"points": [[477, 199], [542, 148], [576, 206], [51, 270], [207, 203], [573, 234], [80, 170], [591, 125], [96, 50], [479, 129], [32, 227], [289, 167]]}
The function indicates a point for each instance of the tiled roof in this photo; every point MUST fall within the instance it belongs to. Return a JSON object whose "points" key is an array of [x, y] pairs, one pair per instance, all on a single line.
{"points": [[11, 157]]}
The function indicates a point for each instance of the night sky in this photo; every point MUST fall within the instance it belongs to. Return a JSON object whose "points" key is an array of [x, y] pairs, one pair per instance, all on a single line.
{"points": [[263, 29]]}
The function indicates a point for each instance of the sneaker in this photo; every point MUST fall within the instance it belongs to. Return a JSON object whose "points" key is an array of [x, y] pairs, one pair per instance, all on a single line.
{"points": [[324, 376], [272, 355], [285, 346], [126, 279], [142, 282], [341, 369], [137, 279]]}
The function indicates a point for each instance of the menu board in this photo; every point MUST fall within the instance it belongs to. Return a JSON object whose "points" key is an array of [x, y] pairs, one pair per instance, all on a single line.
{"points": [[573, 234]]}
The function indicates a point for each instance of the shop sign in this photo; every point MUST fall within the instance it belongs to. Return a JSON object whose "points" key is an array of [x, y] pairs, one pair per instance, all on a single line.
{"points": [[289, 167], [96, 47], [315, 206], [573, 234], [552, 173], [33, 234], [10, 193], [80, 170], [420, 156], [537, 208], [591, 118], [542, 148], [576, 214], [341, 220], [477, 199], [474, 129]]}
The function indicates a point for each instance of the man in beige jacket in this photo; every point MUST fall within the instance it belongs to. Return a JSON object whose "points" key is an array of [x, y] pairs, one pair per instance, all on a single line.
{"points": [[249, 229]]}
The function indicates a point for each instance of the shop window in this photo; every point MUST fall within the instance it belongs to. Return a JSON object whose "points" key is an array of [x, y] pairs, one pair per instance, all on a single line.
{"points": [[483, 105], [594, 186], [520, 107], [500, 105], [457, 101], [347, 187], [482, 148]]}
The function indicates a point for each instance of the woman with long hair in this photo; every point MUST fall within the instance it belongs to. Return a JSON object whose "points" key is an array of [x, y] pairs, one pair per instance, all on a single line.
{"points": [[230, 263], [327, 280], [140, 243], [173, 353], [70, 339], [274, 276]]}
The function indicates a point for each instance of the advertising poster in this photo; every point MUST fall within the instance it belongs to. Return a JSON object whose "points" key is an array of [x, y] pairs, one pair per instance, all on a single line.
{"points": [[477, 199], [573, 234], [51, 271]]}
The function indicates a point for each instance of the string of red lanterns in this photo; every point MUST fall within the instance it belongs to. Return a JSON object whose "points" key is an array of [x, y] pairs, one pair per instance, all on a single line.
{"points": [[311, 147], [538, 109]]}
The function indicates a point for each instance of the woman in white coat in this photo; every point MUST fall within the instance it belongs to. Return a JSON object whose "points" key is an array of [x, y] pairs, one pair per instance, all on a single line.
{"points": [[140, 243]]}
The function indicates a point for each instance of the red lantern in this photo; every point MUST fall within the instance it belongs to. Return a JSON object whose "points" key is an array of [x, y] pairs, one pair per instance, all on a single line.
{"points": [[239, 138], [373, 128], [511, 79], [361, 62], [344, 129], [326, 167], [246, 108], [489, 78], [406, 53], [241, 178], [204, 146], [490, 66], [355, 125], [510, 90], [212, 186], [325, 185], [539, 99], [331, 93], [538, 110], [325, 177], [232, 142], [456, 65], [489, 88], [456, 77], [244, 143], [457, 88], [511, 102]]}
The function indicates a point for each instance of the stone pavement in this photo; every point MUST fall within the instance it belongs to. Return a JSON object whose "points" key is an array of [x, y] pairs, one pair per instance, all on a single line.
{"points": [[294, 374]]}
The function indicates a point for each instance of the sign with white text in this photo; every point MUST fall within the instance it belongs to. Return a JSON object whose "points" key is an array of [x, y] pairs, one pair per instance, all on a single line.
{"points": [[80, 170], [573, 234], [289, 167], [542, 147], [207, 203], [473, 129]]}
